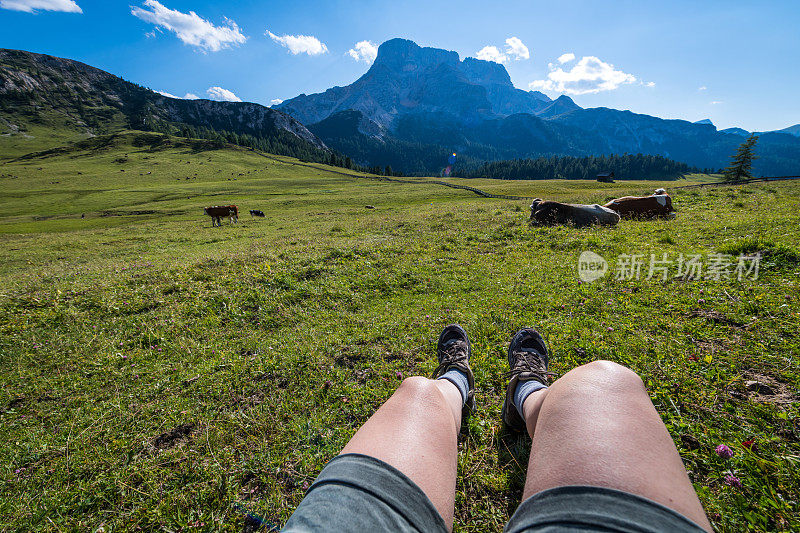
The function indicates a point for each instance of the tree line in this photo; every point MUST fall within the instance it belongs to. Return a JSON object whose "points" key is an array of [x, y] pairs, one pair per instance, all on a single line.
{"points": [[627, 166]]}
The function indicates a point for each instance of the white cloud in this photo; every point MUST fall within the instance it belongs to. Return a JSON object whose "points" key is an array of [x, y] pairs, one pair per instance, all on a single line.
{"points": [[702, 88], [190, 27], [187, 96], [491, 53], [517, 50], [565, 58], [650, 84], [275, 101], [300, 44], [589, 75], [365, 51], [715, 102], [31, 6], [222, 95]]}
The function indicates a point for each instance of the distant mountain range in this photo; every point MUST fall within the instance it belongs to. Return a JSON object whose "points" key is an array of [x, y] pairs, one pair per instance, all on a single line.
{"points": [[426, 101], [791, 130], [412, 108], [38, 89]]}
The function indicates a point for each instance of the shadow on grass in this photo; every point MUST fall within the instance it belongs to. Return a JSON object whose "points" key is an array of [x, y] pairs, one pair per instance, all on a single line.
{"points": [[513, 450]]}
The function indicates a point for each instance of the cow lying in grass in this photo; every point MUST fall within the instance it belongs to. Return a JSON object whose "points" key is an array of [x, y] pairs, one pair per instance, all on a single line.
{"points": [[550, 213], [256, 213], [216, 213], [656, 205]]}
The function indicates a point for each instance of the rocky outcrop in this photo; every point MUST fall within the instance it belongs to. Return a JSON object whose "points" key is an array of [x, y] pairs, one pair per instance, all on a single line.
{"points": [[43, 86]]}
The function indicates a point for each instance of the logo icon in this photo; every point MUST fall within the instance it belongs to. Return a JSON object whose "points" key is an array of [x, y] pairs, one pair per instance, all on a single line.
{"points": [[591, 266]]}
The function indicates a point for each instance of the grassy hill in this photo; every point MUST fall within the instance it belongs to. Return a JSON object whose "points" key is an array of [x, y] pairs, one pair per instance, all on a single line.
{"points": [[158, 373], [45, 98]]}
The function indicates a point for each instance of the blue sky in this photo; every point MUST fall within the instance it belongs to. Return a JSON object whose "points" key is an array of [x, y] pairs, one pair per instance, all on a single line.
{"points": [[734, 62]]}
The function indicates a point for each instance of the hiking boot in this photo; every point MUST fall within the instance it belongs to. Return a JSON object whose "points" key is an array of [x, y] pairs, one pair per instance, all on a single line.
{"points": [[527, 358], [453, 351]]}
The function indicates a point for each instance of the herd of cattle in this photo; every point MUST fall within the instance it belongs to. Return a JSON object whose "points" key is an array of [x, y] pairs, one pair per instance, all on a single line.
{"points": [[218, 212], [658, 204]]}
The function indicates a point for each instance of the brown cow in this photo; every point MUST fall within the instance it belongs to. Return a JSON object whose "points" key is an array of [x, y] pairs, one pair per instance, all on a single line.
{"points": [[549, 213], [216, 212], [658, 204]]}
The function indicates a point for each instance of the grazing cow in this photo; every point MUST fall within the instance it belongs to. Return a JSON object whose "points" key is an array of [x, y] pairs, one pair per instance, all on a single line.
{"points": [[256, 213], [658, 204], [549, 213], [216, 213]]}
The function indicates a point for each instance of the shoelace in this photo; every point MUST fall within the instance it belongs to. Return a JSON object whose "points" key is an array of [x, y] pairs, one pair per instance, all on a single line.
{"points": [[452, 352], [529, 361]]}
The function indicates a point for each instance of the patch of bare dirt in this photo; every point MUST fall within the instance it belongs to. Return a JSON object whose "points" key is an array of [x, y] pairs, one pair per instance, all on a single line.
{"points": [[172, 437], [763, 388], [348, 360], [689, 442], [22, 400]]}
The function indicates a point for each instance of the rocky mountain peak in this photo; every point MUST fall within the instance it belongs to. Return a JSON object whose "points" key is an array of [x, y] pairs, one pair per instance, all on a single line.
{"points": [[408, 79], [485, 72], [402, 54]]}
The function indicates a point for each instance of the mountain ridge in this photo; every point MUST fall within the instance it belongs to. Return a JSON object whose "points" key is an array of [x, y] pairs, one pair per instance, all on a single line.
{"points": [[429, 96], [40, 88], [791, 130], [421, 102]]}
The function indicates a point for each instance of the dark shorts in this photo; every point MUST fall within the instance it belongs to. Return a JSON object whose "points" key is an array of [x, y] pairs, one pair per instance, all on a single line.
{"points": [[360, 493]]}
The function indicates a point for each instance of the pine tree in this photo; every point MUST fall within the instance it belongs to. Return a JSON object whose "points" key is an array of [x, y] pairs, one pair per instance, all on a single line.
{"points": [[742, 161]]}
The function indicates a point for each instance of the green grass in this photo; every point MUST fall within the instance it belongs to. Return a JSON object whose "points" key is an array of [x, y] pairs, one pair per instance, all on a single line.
{"points": [[155, 371], [28, 135]]}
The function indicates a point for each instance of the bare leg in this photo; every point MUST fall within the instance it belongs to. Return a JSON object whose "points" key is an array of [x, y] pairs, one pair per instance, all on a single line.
{"points": [[597, 426], [416, 431]]}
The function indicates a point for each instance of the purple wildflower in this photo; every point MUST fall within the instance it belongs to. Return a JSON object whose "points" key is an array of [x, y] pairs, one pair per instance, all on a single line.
{"points": [[733, 481], [723, 451], [399, 374]]}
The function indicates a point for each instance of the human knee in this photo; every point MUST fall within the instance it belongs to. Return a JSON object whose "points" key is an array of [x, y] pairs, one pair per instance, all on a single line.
{"points": [[418, 386], [610, 373]]}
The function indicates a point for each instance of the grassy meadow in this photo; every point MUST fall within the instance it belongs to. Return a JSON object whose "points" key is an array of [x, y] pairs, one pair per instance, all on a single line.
{"points": [[160, 374]]}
